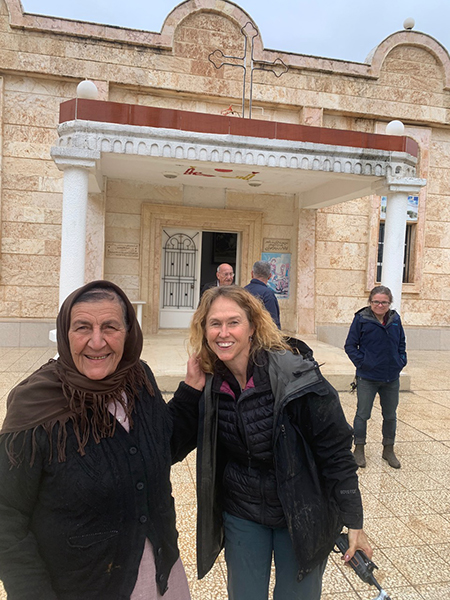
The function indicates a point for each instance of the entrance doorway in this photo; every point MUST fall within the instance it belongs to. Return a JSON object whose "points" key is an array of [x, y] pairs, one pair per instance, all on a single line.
{"points": [[189, 259], [155, 218], [217, 247]]}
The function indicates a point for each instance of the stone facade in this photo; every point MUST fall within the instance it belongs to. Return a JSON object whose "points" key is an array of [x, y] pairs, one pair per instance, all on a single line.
{"points": [[333, 248]]}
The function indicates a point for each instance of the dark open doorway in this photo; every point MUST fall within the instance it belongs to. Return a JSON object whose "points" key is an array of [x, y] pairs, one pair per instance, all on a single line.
{"points": [[217, 247]]}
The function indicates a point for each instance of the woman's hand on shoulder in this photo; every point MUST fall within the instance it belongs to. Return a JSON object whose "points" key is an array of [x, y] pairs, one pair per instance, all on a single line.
{"points": [[195, 377], [357, 540]]}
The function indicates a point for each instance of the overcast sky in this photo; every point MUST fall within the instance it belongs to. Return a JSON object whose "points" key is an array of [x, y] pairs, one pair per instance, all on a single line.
{"points": [[345, 29]]}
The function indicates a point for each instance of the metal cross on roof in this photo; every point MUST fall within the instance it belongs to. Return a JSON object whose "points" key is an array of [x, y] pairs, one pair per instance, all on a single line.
{"points": [[249, 31]]}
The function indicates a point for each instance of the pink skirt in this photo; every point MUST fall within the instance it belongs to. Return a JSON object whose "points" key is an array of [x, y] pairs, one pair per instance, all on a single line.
{"points": [[146, 587]]}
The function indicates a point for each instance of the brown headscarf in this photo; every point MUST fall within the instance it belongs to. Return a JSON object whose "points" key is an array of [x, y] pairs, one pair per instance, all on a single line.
{"points": [[57, 392]]}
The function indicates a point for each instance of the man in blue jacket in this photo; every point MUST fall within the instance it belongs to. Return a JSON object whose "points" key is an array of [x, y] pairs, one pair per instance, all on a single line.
{"points": [[258, 287]]}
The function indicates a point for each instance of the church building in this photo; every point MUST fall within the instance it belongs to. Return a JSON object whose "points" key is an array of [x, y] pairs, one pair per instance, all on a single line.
{"points": [[150, 158]]}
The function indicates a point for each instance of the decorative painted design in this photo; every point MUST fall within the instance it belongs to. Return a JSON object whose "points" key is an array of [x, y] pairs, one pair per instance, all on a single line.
{"points": [[195, 171], [280, 265]]}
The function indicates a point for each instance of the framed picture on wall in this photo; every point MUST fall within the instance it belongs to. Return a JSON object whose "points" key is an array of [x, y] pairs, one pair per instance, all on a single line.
{"points": [[280, 266]]}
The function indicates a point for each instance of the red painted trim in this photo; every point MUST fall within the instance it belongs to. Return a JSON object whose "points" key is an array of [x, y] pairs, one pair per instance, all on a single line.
{"points": [[150, 116]]}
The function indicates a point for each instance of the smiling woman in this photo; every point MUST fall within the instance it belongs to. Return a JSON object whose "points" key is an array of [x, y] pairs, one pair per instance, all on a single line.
{"points": [[97, 334], [85, 452], [229, 334], [275, 474], [376, 345]]}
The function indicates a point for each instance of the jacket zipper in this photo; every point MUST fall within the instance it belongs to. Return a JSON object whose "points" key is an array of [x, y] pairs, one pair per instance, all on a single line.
{"points": [[288, 454], [243, 430]]}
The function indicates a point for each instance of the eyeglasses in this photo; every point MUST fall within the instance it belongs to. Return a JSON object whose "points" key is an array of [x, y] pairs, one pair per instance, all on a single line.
{"points": [[376, 303]]}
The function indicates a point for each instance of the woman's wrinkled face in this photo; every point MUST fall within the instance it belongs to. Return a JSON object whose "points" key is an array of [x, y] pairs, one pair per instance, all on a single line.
{"points": [[97, 336], [228, 333]]}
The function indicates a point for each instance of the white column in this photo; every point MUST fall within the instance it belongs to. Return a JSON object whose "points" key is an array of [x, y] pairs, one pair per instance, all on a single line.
{"points": [[394, 233], [76, 164], [73, 235], [394, 244]]}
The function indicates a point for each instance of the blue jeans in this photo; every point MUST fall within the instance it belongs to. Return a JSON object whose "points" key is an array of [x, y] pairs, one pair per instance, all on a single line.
{"points": [[388, 392], [248, 554]]}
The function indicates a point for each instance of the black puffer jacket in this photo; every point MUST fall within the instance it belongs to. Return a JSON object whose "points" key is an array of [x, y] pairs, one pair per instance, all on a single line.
{"points": [[315, 469], [246, 438]]}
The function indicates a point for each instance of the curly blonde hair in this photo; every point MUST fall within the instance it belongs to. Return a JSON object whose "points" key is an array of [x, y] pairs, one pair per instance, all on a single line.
{"points": [[266, 334]]}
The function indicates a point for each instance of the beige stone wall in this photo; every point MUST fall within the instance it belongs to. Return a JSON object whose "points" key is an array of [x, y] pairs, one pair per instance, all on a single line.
{"points": [[188, 70], [430, 308], [342, 236], [123, 225], [411, 84], [31, 188]]}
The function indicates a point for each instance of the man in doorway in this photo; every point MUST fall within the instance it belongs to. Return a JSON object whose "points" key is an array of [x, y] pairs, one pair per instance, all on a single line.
{"points": [[261, 274], [225, 276]]}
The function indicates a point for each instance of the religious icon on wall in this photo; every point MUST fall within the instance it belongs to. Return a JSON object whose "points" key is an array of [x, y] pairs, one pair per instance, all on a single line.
{"points": [[280, 266]]}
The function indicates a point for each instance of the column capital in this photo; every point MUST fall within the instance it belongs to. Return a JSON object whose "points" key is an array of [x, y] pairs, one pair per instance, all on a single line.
{"points": [[74, 157], [409, 185]]}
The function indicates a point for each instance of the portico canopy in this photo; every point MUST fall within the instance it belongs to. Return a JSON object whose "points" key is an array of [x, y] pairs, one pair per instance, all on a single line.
{"points": [[321, 166]]}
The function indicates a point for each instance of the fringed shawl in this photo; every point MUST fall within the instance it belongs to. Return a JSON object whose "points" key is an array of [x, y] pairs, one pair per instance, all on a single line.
{"points": [[58, 393]]}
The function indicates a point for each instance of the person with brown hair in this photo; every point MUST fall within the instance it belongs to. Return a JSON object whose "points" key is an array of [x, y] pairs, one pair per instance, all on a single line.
{"points": [[376, 345], [275, 472], [86, 447]]}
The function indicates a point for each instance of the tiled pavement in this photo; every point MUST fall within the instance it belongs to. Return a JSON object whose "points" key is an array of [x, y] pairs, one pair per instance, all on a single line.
{"points": [[407, 512]]}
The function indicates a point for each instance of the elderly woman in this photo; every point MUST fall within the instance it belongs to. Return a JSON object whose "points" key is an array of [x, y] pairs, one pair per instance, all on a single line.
{"points": [[276, 475], [376, 345], [86, 509]]}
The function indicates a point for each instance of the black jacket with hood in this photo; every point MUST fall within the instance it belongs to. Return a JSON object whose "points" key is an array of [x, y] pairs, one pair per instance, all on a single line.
{"points": [[315, 469]]}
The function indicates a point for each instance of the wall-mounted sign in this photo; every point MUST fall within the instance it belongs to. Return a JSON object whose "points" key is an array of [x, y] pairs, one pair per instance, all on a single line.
{"points": [[116, 250], [276, 245]]}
